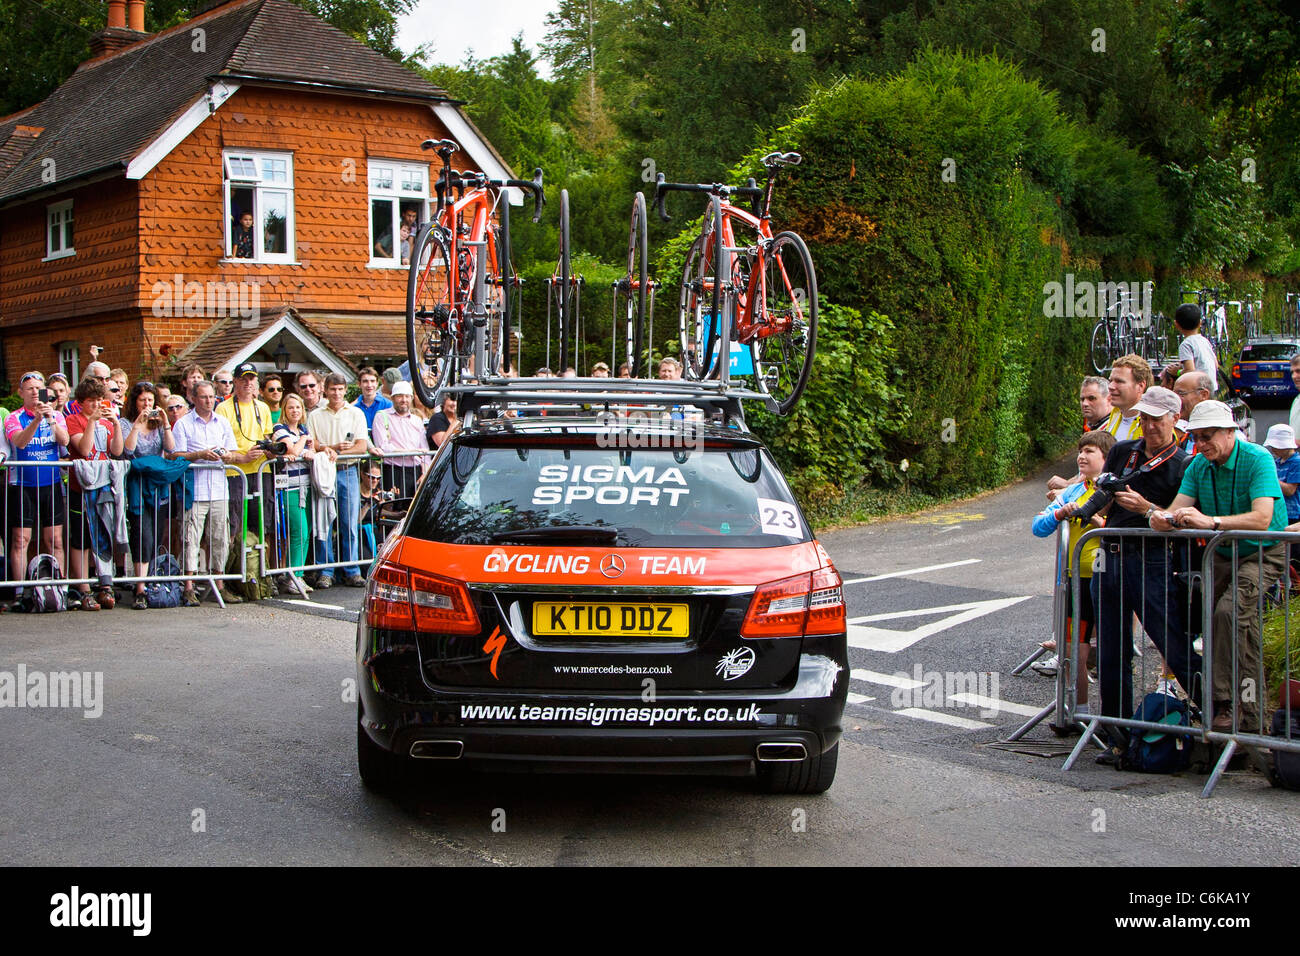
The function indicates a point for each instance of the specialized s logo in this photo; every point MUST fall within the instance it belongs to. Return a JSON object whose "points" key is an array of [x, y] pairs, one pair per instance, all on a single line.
{"points": [[493, 646], [735, 663]]}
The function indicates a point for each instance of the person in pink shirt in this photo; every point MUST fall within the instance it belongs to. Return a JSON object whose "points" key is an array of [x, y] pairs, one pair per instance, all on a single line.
{"points": [[400, 429]]}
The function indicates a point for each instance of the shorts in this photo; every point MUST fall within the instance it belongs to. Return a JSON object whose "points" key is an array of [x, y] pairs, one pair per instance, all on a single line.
{"points": [[36, 506]]}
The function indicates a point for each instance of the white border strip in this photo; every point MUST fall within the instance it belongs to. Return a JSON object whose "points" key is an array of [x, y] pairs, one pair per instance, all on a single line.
{"points": [[903, 574]]}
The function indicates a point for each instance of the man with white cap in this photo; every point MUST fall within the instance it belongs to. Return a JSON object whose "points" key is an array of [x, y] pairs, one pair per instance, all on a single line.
{"points": [[1134, 575], [400, 429], [1232, 485]]}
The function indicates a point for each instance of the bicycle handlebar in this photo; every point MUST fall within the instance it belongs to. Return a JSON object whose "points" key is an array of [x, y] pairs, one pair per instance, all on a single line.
{"points": [[461, 180], [662, 188]]}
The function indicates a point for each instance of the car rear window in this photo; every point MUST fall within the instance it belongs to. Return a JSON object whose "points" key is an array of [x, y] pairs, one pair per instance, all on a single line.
{"points": [[1268, 352], [715, 496]]}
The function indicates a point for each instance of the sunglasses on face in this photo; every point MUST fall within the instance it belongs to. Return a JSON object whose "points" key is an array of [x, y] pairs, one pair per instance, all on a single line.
{"points": [[225, 381], [174, 408], [274, 388]]}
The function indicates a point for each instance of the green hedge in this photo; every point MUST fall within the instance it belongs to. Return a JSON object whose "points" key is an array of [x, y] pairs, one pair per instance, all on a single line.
{"points": [[967, 381]]}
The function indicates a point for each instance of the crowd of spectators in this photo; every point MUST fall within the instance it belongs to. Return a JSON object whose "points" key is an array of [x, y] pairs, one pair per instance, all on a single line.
{"points": [[1169, 459]]}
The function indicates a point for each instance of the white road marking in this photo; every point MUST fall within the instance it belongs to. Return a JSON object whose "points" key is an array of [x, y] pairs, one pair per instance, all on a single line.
{"points": [[903, 574], [316, 604], [938, 717], [891, 641], [859, 698], [889, 680], [994, 703]]}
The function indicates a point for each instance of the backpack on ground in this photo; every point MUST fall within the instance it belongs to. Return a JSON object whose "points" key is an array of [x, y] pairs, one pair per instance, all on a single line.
{"points": [[1152, 751], [1286, 763], [45, 598], [255, 586], [158, 594]]}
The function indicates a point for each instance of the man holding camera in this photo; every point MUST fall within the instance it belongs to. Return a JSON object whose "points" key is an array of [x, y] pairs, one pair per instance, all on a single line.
{"points": [[1232, 485], [1135, 575], [250, 423]]}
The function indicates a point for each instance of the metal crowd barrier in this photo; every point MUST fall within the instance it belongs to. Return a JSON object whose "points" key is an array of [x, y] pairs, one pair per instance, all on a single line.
{"points": [[1193, 568], [109, 556], [293, 543]]}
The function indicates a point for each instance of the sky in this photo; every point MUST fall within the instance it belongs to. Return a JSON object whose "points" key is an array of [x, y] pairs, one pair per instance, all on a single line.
{"points": [[485, 26]]}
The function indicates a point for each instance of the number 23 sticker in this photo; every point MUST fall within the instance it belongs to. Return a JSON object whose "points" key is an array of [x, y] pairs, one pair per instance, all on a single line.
{"points": [[779, 517]]}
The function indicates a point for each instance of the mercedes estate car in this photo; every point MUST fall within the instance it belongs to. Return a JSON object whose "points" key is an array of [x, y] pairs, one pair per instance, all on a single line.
{"points": [[574, 594], [1264, 368]]}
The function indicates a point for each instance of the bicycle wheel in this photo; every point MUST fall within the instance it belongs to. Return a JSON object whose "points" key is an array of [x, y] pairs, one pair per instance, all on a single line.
{"points": [[786, 311], [1100, 350], [562, 288], [700, 298], [1124, 341], [630, 294], [430, 325]]}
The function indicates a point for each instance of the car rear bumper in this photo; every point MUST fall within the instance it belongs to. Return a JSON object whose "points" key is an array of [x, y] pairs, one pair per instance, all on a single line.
{"points": [[678, 732]]}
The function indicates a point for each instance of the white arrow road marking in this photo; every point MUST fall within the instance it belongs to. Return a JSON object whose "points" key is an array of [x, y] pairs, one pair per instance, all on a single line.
{"points": [[890, 641], [938, 717], [315, 604], [994, 703], [859, 698], [889, 680], [903, 574]]}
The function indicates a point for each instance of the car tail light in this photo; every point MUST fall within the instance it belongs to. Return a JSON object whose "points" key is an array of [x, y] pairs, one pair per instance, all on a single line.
{"points": [[826, 612], [795, 606], [442, 605], [1236, 370], [388, 598], [403, 600]]}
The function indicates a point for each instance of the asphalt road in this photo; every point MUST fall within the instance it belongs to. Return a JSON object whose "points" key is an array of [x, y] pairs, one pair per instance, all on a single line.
{"points": [[225, 738]]}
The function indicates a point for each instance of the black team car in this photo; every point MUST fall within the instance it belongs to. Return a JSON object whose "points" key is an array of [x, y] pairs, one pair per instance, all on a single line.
{"points": [[631, 588]]}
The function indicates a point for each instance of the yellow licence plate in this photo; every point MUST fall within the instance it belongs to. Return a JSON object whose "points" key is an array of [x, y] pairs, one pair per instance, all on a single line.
{"points": [[577, 619], [1270, 374]]}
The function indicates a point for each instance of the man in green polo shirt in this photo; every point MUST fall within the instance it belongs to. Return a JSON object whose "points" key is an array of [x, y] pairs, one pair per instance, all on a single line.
{"points": [[1232, 486]]}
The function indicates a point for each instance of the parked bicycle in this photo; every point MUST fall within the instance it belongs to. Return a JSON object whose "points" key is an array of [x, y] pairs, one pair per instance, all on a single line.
{"points": [[564, 297], [1112, 336], [741, 283], [1291, 315], [461, 285]]}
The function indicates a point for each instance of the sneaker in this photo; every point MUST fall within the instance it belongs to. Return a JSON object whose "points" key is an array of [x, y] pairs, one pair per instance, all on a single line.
{"points": [[355, 581], [189, 599], [1111, 757], [74, 599], [1048, 667], [88, 602], [324, 583], [1166, 686], [141, 603], [105, 598]]}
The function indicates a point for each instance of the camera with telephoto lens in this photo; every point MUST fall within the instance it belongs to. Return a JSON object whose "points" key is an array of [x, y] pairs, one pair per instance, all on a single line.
{"points": [[275, 448], [1103, 494]]}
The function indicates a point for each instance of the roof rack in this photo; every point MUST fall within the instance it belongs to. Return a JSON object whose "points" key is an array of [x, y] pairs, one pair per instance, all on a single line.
{"points": [[582, 394]]}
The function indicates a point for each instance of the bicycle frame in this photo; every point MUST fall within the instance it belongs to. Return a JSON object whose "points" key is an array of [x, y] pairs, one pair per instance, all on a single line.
{"points": [[749, 328]]}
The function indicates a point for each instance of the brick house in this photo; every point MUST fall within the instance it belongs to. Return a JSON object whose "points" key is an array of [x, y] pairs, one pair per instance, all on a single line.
{"points": [[121, 196]]}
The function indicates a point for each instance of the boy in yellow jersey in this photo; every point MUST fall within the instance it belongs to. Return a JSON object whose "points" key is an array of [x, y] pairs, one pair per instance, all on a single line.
{"points": [[1093, 448]]}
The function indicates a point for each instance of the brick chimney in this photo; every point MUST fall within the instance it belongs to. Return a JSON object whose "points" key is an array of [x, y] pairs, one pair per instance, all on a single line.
{"points": [[123, 28]]}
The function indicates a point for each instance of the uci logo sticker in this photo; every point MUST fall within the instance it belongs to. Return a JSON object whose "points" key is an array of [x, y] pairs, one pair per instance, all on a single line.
{"points": [[735, 663]]}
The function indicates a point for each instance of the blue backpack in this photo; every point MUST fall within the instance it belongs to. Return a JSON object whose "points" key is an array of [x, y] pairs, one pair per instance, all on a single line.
{"points": [[163, 593], [1154, 752]]}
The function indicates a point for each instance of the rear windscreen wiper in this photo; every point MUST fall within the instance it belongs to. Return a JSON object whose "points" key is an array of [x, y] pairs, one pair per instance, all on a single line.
{"points": [[585, 532]]}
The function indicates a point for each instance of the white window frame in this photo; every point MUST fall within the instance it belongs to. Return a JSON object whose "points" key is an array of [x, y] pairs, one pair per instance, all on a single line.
{"points": [[395, 192], [59, 215], [70, 363], [234, 175]]}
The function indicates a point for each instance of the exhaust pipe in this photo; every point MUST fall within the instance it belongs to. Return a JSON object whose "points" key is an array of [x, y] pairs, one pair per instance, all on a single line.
{"points": [[781, 752], [438, 749]]}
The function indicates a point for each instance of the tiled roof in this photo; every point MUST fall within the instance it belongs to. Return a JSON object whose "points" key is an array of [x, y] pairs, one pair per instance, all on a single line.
{"points": [[355, 334], [113, 107], [227, 336]]}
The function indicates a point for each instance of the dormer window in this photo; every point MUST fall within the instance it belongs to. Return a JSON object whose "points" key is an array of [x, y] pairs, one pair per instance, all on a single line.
{"points": [[58, 230], [259, 206]]}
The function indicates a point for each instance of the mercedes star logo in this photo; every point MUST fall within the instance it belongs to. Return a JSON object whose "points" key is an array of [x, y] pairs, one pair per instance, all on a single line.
{"points": [[611, 565]]}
